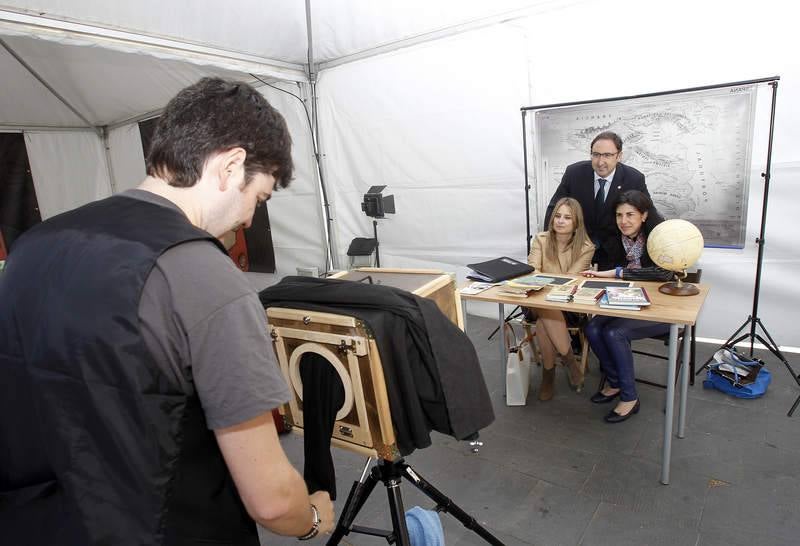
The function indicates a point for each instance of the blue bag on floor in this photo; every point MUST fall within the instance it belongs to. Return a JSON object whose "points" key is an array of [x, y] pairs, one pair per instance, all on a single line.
{"points": [[424, 527], [737, 375]]}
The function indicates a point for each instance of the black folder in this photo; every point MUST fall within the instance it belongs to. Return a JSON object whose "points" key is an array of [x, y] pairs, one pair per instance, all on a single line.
{"points": [[499, 269]]}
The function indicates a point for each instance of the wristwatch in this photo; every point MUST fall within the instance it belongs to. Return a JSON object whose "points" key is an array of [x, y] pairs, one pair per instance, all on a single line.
{"points": [[314, 527]]}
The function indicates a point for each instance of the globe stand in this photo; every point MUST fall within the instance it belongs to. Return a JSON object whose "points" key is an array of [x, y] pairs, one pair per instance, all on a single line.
{"points": [[679, 288]]}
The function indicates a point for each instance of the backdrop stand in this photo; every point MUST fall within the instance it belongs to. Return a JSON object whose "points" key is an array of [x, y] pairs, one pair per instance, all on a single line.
{"points": [[753, 321]]}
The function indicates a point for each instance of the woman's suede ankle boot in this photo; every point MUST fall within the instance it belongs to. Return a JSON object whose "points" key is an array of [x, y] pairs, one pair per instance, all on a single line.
{"points": [[547, 388]]}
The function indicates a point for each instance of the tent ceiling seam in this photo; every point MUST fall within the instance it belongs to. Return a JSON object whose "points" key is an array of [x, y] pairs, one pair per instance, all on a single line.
{"points": [[146, 40], [22, 128], [155, 113], [41, 80], [446, 32]]}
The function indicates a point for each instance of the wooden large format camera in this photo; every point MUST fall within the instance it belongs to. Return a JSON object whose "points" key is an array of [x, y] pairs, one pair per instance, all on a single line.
{"points": [[363, 423]]}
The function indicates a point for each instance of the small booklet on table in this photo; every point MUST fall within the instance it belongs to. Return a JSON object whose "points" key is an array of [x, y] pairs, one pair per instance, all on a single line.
{"points": [[629, 295], [513, 291], [603, 302], [477, 287], [588, 296], [562, 293], [591, 290], [542, 279], [598, 282], [530, 282]]}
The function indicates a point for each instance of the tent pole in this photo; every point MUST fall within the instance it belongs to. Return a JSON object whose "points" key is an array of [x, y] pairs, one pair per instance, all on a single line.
{"points": [[112, 182], [331, 261]]}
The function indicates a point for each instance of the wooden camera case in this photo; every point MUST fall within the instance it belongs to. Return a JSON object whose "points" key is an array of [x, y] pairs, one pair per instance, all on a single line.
{"points": [[364, 423]]}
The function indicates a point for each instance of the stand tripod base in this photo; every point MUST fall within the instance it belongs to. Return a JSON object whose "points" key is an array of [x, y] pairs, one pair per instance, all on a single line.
{"points": [[678, 288], [391, 474], [769, 343]]}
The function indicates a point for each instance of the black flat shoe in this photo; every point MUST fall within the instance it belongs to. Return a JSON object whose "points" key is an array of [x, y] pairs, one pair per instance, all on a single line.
{"points": [[614, 417], [600, 398]]}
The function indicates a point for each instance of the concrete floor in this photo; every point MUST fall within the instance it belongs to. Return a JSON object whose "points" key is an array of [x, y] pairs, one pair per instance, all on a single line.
{"points": [[553, 473]]}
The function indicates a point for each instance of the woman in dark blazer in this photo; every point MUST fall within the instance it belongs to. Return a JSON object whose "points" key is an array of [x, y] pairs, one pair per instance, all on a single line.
{"points": [[610, 337]]}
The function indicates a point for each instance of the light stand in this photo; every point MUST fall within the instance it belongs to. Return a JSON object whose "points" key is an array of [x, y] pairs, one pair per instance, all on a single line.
{"points": [[753, 319], [376, 205], [377, 244]]}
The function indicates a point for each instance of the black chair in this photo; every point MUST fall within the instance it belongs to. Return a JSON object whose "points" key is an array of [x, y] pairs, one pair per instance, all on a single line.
{"points": [[693, 277]]}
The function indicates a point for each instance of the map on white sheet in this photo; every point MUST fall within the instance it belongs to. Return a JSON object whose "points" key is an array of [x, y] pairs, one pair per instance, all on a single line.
{"points": [[693, 148]]}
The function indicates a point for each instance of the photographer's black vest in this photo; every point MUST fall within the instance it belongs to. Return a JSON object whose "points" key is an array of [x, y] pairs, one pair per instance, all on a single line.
{"points": [[97, 445]]}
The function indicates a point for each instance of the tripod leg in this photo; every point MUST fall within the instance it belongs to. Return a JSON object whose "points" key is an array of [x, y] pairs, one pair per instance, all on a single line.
{"points": [[398, 512], [444, 504], [509, 317], [355, 500], [773, 347], [733, 340], [794, 406]]}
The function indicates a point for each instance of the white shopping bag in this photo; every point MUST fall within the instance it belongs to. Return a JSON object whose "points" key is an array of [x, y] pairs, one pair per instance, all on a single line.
{"points": [[518, 369]]}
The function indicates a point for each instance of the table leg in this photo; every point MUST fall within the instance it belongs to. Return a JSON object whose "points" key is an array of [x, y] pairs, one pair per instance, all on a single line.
{"points": [[464, 313], [667, 450], [684, 380], [501, 336]]}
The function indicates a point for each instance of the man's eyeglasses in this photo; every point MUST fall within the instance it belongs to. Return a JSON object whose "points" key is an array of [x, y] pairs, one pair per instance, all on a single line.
{"points": [[598, 155]]}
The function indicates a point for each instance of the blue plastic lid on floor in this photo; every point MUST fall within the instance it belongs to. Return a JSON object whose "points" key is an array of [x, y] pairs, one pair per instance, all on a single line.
{"points": [[424, 527]]}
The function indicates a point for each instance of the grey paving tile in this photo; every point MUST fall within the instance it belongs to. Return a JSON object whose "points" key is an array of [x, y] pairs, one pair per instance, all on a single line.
{"points": [[464, 537], [616, 525], [551, 515], [633, 483], [734, 422], [481, 486], [769, 508], [544, 459], [554, 474], [784, 432], [741, 537], [704, 453]]}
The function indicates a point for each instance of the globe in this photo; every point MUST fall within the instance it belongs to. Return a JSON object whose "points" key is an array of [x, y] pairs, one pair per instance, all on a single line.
{"points": [[675, 245]]}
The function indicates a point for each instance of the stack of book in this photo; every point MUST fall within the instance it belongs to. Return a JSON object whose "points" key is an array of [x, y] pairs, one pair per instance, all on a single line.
{"points": [[588, 296], [477, 288], [628, 298], [561, 293], [530, 282], [511, 291]]}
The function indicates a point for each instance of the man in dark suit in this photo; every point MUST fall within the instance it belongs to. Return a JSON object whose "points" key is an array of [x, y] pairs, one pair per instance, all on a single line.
{"points": [[595, 184]]}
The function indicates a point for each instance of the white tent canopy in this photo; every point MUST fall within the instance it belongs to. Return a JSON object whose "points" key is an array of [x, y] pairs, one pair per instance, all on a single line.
{"points": [[423, 97]]}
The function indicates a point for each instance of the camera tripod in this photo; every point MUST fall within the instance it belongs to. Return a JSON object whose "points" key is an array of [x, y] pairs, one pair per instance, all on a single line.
{"points": [[391, 474]]}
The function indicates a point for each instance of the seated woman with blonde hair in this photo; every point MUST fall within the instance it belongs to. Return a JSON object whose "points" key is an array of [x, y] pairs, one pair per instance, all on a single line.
{"points": [[563, 248]]}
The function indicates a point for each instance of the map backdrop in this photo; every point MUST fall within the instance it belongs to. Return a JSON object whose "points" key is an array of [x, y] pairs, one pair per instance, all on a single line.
{"points": [[693, 148]]}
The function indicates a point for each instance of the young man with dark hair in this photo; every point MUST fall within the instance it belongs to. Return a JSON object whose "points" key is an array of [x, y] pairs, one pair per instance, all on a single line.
{"points": [[136, 373], [595, 184]]}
